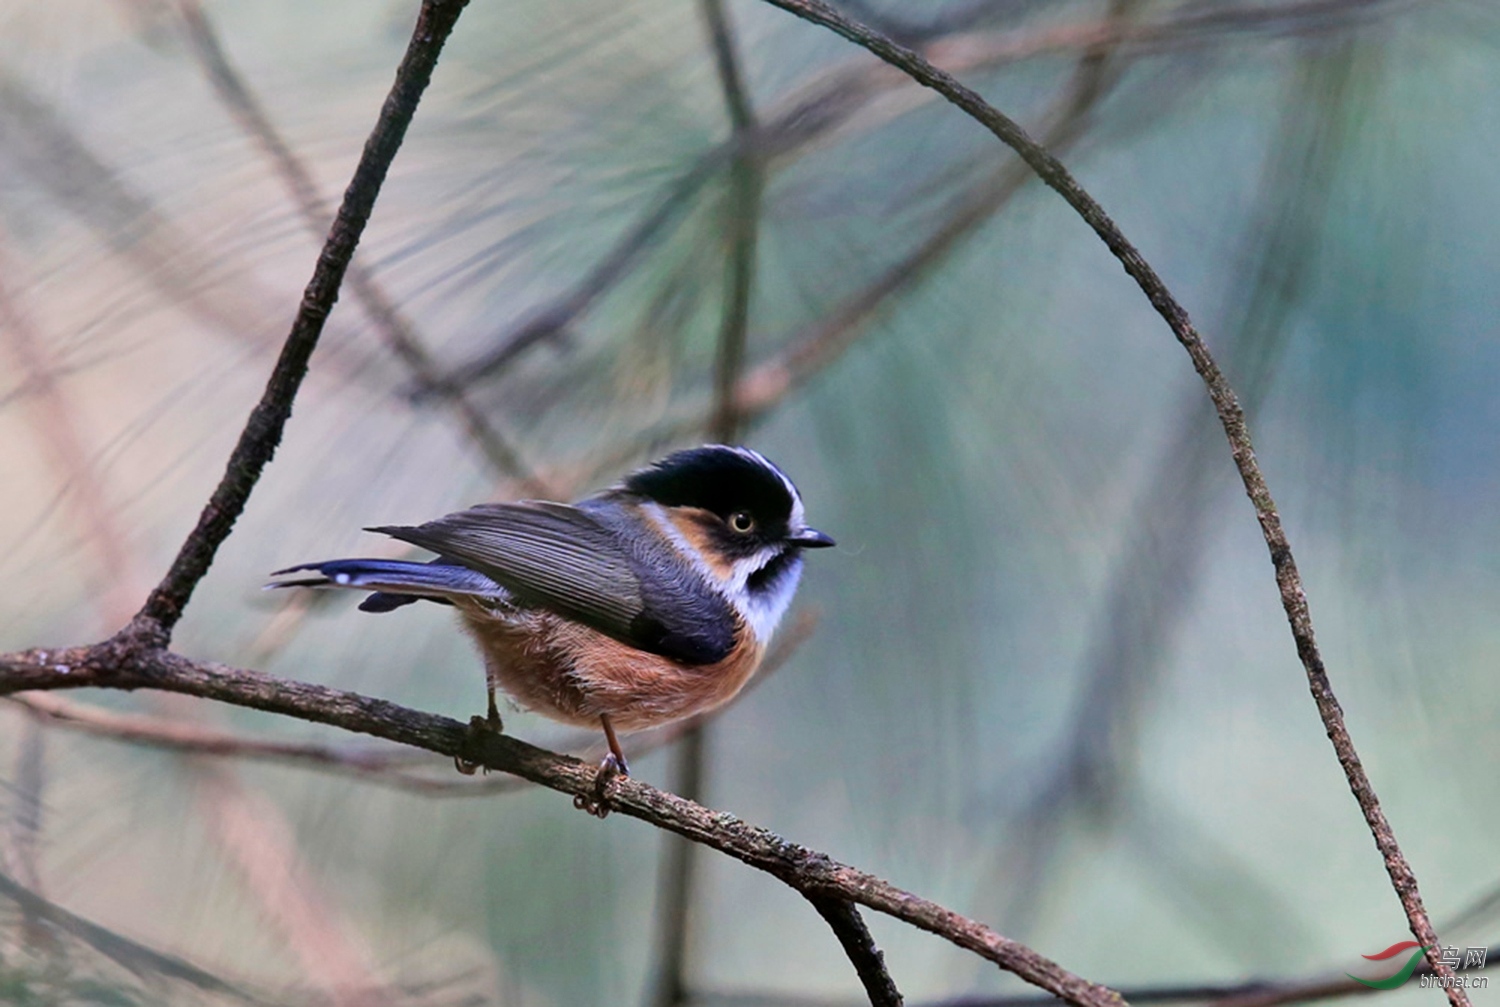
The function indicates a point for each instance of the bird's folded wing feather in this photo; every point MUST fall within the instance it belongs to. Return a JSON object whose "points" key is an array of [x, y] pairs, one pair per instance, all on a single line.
{"points": [[560, 558]]}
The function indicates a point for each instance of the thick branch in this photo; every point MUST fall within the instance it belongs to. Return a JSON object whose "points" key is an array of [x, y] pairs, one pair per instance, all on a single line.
{"points": [[124, 663], [262, 432], [1231, 416]]}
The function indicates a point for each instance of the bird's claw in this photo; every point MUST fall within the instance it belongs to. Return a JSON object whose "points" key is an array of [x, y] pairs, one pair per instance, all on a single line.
{"points": [[478, 727], [597, 804]]}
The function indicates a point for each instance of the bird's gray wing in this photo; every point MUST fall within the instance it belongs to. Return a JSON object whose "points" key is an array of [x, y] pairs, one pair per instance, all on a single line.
{"points": [[562, 559]]}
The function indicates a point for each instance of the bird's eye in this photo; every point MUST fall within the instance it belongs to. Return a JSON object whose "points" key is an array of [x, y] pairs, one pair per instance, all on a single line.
{"points": [[741, 521]]}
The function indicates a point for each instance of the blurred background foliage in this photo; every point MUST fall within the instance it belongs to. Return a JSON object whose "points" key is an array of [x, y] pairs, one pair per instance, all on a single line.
{"points": [[1050, 683]]}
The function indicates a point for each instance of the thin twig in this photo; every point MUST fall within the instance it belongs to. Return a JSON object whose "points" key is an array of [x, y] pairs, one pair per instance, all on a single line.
{"points": [[553, 321], [849, 927], [1231, 416], [819, 345], [262, 432], [1245, 993], [153, 625], [128, 661], [669, 987], [26, 819]]}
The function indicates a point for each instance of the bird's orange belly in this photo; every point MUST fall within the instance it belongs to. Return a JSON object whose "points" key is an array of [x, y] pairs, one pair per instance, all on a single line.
{"points": [[574, 674]]}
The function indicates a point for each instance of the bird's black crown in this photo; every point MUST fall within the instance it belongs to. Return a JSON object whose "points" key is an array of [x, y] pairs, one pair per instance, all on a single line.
{"points": [[722, 480]]}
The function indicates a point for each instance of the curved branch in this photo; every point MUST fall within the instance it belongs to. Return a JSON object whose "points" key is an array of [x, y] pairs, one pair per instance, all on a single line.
{"points": [[1231, 417], [128, 662], [262, 431]]}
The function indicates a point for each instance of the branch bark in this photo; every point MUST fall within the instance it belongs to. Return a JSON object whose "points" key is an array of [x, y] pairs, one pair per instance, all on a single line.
{"points": [[1231, 417]]}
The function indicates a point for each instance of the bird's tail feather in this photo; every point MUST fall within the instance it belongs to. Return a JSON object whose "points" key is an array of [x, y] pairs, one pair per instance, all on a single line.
{"points": [[395, 582]]}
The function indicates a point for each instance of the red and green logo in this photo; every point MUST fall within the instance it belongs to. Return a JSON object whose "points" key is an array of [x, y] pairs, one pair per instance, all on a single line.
{"points": [[1400, 977]]}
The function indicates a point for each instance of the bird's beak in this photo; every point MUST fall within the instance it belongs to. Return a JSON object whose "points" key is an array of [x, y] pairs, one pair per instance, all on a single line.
{"points": [[810, 538]]}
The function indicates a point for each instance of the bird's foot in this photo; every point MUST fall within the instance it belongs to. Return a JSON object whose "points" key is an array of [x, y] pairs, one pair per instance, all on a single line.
{"points": [[597, 804], [478, 727]]}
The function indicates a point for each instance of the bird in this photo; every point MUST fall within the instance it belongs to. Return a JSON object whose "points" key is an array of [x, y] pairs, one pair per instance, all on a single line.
{"points": [[651, 601]]}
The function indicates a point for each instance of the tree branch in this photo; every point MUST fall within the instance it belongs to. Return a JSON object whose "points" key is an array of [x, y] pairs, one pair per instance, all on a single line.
{"points": [[128, 661], [262, 432], [849, 927], [1231, 417]]}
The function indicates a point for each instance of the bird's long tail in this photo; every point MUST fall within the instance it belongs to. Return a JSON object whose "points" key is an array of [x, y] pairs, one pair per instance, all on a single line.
{"points": [[394, 582]]}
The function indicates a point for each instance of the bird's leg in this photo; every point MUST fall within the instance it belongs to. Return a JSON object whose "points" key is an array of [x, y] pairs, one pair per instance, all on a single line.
{"points": [[494, 713], [613, 765], [614, 762], [490, 724]]}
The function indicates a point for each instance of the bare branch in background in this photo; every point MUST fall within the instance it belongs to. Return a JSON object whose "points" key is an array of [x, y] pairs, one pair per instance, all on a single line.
{"points": [[38, 141], [153, 967], [263, 430], [1155, 580], [24, 827], [1231, 416], [808, 353], [1247, 993], [746, 180], [398, 332], [251, 833], [858, 96], [136, 957], [552, 322]]}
